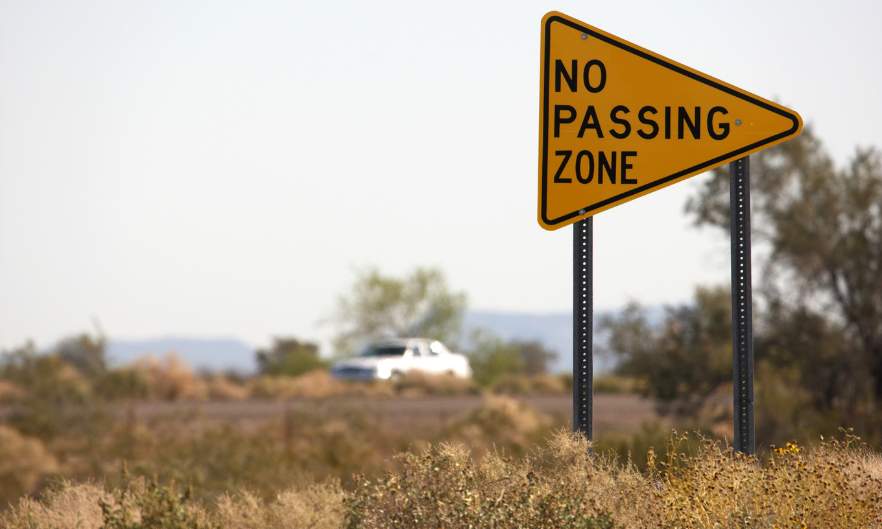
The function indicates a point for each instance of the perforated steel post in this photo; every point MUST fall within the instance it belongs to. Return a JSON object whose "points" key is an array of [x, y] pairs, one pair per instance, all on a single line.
{"points": [[583, 325], [742, 329]]}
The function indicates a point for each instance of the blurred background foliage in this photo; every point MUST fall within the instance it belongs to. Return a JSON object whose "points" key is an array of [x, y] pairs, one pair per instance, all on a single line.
{"points": [[289, 356], [378, 306], [67, 412], [817, 310]]}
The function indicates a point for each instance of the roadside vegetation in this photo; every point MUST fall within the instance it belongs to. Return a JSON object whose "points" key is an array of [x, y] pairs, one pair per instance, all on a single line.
{"points": [[76, 452], [817, 230], [557, 485]]}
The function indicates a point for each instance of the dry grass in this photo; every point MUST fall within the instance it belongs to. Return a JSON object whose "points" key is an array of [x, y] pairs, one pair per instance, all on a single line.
{"points": [[24, 463], [170, 378], [64, 507], [559, 485], [833, 486], [315, 384], [10, 392], [827, 487], [223, 388], [617, 384], [500, 422], [320, 384], [556, 487], [533, 385], [315, 507], [417, 384], [301, 445]]}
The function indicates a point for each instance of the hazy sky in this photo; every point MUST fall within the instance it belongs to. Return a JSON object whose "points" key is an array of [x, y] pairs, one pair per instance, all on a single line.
{"points": [[221, 168]]}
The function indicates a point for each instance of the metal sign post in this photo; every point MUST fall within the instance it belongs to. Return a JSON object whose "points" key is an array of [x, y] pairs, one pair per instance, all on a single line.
{"points": [[583, 325], [742, 329], [618, 121]]}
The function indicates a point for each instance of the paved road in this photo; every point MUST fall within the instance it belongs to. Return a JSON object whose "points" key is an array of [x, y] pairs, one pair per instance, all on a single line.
{"points": [[618, 413]]}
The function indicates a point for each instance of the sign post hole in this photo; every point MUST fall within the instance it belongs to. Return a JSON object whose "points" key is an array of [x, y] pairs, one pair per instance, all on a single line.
{"points": [[583, 325], [742, 324]]}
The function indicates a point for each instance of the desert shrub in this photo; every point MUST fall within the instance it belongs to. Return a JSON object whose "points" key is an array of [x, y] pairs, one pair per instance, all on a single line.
{"points": [[272, 387], [295, 449], [170, 378], [871, 466], [835, 485], [222, 387], [499, 423], [149, 505], [552, 384], [653, 440], [512, 384], [53, 393], [10, 392], [314, 507], [309, 442], [24, 463], [314, 384], [64, 506], [125, 383], [140, 504], [617, 384], [83, 352], [215, 460], [320, 447], [289, 356], [416, 383], [491, 358], [684, 357], [561, 483], [444, 486], [828, 486], [784, 409]]}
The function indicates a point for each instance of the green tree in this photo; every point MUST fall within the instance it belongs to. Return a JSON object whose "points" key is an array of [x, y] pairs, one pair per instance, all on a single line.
{"points": [[289, 356], [820, 229], [57, 396], [419, 304], [85, 353], [685, 357], [535, 356], [493, 358]]}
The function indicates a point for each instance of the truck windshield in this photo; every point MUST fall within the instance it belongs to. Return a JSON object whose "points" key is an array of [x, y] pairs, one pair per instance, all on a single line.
{"points": [[384, 350]]}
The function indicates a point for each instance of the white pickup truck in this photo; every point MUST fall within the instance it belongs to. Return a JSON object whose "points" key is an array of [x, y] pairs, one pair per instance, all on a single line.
{"points": [[389, 359]]}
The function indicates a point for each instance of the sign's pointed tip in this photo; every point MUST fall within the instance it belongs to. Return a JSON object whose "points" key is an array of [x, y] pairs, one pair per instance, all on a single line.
{"points": [[794, 116]]}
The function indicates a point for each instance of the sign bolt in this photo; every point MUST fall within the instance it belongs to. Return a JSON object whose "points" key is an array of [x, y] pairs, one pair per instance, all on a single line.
{"points": [[584, 36], [738, 122]]}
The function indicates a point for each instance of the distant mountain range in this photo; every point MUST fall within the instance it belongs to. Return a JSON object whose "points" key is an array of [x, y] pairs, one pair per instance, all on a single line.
{"points": [[231, 354], [202, 354]]}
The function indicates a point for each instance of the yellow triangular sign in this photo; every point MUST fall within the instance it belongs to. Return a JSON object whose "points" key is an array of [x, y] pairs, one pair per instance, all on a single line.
{"points": [[618, 121]]}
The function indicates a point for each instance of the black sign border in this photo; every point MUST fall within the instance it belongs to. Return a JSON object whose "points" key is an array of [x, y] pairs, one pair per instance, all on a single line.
{"points": [[677, 68]]}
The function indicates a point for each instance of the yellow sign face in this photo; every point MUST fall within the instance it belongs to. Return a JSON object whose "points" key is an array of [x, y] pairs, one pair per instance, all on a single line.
{"points": [[618, 121]]}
